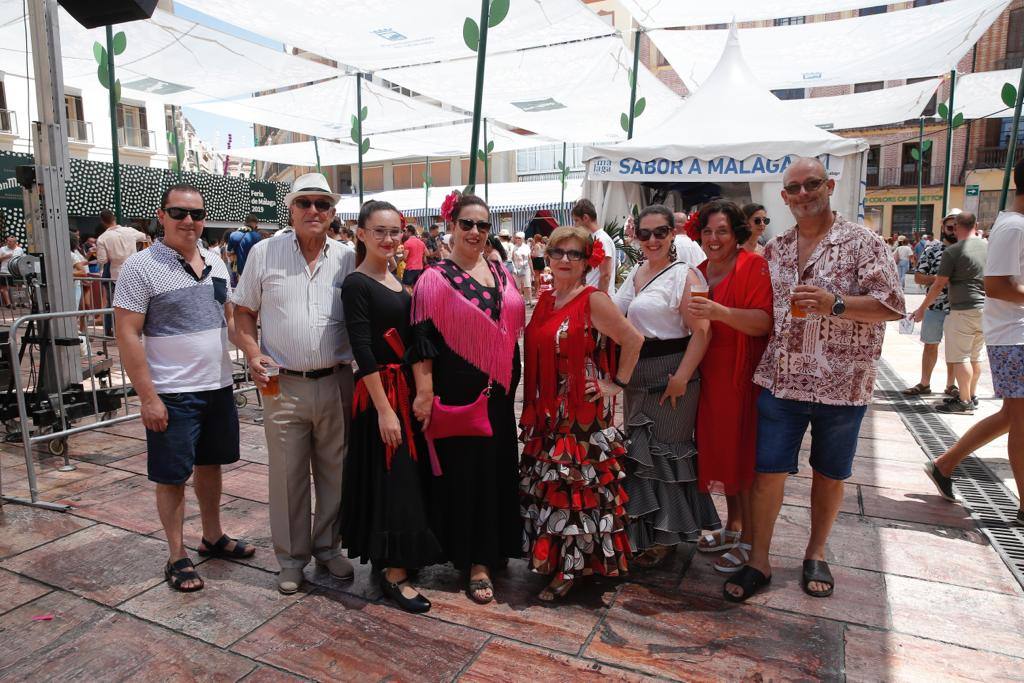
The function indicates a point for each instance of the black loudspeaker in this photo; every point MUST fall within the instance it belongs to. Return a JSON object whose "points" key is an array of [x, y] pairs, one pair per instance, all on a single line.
{"points": [[94, 13]]}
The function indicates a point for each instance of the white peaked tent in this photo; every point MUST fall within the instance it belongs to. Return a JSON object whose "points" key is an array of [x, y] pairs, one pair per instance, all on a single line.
{"points": [[732, 132]]}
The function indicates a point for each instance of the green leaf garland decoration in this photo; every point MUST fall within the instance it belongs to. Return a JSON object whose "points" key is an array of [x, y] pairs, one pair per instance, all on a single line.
{"points": [[1009, 95], [119, 43], [495, 15], [624, 122], [364, 144], [471, 34], [99, 53], [498, 12]]}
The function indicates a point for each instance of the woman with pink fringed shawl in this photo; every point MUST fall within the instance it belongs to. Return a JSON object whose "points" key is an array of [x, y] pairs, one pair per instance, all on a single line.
{"points": [[467, 317]]}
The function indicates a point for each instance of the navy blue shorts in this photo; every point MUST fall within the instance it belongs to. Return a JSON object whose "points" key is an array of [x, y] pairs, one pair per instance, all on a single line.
{"points": [[202, 429], [409, 277], [781, 424]]}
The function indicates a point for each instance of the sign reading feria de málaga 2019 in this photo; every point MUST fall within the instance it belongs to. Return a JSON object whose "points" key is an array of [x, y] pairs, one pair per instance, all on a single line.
{"points": [[263, 199], [756, 168]]}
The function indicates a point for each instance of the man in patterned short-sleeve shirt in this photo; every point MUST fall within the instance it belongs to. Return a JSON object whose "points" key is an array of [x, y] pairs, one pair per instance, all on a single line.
{"points": [[834, 286], [175, 295]]}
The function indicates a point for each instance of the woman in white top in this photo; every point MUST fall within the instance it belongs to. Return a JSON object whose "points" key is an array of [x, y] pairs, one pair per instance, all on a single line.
{"points": [[660, 403], [904, 255]]}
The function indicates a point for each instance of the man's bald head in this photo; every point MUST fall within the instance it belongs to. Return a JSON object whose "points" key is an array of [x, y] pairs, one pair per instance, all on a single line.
{"points": [[680, 218], [805, 165]]}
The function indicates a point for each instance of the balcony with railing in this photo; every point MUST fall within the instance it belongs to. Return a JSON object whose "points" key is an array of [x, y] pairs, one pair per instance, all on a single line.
{"points": [[137, 138], [995, 157], [900, 177], [80, 131], [8, 122]]}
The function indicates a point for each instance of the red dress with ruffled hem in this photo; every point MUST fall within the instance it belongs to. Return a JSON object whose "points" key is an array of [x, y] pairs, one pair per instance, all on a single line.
{"points": [[572, 501]]}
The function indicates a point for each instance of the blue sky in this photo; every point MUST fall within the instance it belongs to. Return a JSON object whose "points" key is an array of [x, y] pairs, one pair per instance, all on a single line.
{"points": [[214, 129]]}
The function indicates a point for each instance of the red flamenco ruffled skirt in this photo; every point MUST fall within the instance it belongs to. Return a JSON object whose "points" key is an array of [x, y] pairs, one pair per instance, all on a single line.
{"points": [[572, 501]]}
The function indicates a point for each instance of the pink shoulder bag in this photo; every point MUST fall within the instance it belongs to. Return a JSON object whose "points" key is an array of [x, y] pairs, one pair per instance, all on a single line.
{"points": [[448, 421]]}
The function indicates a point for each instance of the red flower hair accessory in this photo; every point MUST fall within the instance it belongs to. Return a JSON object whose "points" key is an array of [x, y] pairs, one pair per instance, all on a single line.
{"points": [[690, 226], [596, 255], [449, 204]]}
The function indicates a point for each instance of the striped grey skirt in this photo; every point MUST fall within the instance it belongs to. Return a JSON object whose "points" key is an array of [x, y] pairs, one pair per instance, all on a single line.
{"points": [[665, 507]]}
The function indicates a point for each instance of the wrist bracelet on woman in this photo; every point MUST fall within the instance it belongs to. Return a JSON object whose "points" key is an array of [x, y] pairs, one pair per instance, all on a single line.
{"points": [[619, 383]]}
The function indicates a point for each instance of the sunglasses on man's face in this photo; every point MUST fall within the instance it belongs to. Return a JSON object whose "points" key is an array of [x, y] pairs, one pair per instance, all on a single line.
{"points": [[762, 221], [556, 254], [809, 185], [178, 213], [468, 225], [320, 204], [660, 232]]}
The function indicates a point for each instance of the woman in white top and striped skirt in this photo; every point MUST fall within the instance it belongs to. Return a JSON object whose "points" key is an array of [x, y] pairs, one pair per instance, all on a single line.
{"points": [[660, 403]]}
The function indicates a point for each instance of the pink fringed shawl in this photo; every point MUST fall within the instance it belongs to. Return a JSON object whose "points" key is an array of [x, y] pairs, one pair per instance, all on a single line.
{"points": [[487, 345]]}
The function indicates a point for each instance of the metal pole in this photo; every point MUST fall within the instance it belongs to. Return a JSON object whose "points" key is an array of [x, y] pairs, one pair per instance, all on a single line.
{"points": [[174, 136], [1011, 146], [487, 170], [920, 162], [632, 85], [478, 97], [316, 149], [115, 143], [255, 143], [359, 129], [949, 143], [426, 190], [563, 173]]}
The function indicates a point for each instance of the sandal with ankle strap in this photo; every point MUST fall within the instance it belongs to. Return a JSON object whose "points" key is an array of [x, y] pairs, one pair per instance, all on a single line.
{"points": [[241, 550], [552, 593], [177, 574], [917, 390]]}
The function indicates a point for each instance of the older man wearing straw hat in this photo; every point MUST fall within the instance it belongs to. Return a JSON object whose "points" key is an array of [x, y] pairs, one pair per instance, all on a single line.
{"points": [[301, 362]]}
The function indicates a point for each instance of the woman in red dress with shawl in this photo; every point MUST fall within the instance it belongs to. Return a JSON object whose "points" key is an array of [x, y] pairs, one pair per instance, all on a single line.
{"points": [[572, 501], [740, 311]]}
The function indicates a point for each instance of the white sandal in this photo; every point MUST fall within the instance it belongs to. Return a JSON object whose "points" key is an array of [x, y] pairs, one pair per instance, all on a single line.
{"points": [[727, 540], [735, 563]]}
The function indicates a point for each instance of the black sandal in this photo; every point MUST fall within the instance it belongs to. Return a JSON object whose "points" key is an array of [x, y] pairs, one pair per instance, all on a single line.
{"points": [[818, 571], [480, 585], [749, 579], [917, 390], [241, 550], [177, 574]]}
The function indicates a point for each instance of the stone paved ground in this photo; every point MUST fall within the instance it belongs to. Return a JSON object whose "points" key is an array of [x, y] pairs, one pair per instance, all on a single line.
{"points": [[920, 594]]}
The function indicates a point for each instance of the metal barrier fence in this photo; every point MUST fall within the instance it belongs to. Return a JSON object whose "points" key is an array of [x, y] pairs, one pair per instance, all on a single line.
{"points": [[102, 399]]}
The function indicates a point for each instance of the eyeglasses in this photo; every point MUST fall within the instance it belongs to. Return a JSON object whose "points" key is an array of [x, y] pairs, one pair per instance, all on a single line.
{"points": [[809, 186], [660, 232], [556, 254], [766, 221], [380, 233], [320, 204], [467, 225], [178, 213]]}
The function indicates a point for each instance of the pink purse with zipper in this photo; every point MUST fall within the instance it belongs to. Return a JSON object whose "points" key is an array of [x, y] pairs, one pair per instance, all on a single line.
{"points": [[448, 421]]}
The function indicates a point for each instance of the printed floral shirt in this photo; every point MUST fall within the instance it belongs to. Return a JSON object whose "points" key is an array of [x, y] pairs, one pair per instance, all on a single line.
{"points": [[824, 358], [929, 265]]}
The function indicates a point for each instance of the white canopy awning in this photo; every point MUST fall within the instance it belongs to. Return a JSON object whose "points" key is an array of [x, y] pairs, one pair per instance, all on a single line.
{"points": [[575, 92], [978, 95], [387, 33], [165, 56], [325, 109], [660, 14], [864, 109], [305, 154], [910, 43]]}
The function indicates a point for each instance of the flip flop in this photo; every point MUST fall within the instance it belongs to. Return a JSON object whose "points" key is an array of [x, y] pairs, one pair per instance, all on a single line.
{"points": [[817, 570], [750, 580]]}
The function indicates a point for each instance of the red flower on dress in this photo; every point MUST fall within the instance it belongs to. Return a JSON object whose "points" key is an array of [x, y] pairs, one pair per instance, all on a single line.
{"points": [[690, 226], [596, 255], [448, 205]]}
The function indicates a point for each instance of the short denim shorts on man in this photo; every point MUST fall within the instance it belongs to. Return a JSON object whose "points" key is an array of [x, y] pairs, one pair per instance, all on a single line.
{"points": [[781, 426], [202, 429], [931, 326]]}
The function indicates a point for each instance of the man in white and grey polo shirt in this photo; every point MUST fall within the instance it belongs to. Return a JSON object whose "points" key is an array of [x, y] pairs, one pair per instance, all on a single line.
{"points": [[175, 294], [292, 285]]}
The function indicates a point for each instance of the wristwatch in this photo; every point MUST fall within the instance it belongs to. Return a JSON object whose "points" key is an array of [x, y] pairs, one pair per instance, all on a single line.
{"points": [[619, 383], [839, 307]]}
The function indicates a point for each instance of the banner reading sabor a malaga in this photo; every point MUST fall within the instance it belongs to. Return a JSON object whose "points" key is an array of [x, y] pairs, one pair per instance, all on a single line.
{"points": [[757, 168]]}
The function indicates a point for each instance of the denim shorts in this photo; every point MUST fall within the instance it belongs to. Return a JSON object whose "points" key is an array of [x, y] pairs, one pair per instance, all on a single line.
{"points": [[781, 425], [202, 429], [931, 326]]}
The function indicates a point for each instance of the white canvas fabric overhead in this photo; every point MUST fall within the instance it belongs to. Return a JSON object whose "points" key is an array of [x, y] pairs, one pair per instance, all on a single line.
{"points": [[387, 33], [326, 109], [660, 14], [910, 43], [305, 154], [860, 110], [574, 93], [500, 196], [165, 56], [978, 95]]}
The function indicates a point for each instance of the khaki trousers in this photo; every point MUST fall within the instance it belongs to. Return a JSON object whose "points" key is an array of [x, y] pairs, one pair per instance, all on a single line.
{"points": [[307, 427]]}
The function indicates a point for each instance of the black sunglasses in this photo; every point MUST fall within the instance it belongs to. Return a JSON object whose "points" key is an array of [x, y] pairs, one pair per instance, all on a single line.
{"points": [[178, 213], [661, 232], [320, 204], [809, 186], [762, 221], [468, 225], [556, 254]]}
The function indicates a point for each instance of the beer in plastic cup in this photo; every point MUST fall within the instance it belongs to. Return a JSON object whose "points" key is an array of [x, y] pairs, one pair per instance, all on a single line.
{"points": [[699, 290], [795, 310], [273, 387]]}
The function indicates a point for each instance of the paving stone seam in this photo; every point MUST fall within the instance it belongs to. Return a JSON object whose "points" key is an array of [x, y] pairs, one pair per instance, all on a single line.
{"points": [[92, 523], [28, 602], [600, 620], [472, 660]]}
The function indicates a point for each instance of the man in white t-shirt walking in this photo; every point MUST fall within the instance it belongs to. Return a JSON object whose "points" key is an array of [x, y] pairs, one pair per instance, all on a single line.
{"points": [[1004, 335], [584, 215], [10, 249]]}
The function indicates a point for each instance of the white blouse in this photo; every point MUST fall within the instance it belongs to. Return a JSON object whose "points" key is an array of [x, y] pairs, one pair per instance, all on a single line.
{"points": [[654, 311]]}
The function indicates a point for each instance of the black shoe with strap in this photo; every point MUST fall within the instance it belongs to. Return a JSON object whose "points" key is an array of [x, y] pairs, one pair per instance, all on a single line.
{"points": [[240, 551], [417, 604], [181, 572]]}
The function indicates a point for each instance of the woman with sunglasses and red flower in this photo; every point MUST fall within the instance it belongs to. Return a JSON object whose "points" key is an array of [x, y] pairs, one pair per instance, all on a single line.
{"points": [[660, 408], [573, 505], [467, 317]]}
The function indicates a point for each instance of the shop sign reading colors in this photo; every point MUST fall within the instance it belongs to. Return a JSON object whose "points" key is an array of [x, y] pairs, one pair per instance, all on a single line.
{"points": [[757, 168]]}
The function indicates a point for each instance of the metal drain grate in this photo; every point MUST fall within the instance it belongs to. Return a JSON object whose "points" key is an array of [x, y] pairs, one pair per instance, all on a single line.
{"points": [[992, 506]]}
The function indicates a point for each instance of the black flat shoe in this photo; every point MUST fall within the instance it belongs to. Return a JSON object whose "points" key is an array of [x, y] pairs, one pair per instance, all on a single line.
{"points": [[416, 605]]}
